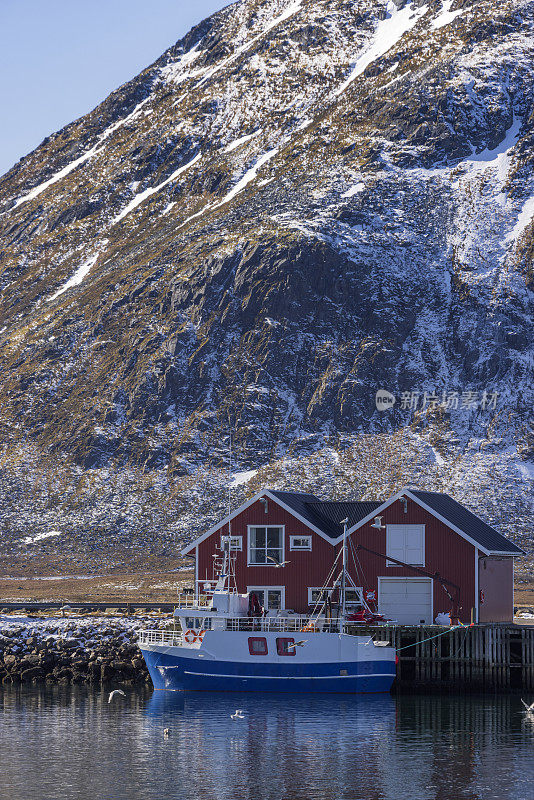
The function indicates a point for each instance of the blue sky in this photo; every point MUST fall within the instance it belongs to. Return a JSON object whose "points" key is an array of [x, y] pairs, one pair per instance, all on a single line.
{"points": [[60, 58]]}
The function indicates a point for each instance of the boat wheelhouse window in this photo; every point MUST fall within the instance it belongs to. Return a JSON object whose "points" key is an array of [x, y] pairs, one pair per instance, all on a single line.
{"points": [[271, 598], [236, 542], [257, 645], [265, 545], [285, 647], [196, 623], [300, 542]]}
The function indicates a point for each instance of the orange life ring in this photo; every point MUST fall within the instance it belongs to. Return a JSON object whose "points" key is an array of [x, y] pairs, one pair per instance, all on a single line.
{"points": [[190, 636], [310, 627], [200, 634]]}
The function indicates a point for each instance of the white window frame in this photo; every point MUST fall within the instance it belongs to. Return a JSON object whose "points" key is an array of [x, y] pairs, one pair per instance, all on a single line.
{"points": [[412, 563], [268, 563], [311, 601], [281, 589], [238, 539], [358, 589], [308, 546]]}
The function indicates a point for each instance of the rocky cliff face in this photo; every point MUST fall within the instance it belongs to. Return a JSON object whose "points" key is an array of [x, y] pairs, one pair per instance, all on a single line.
{"points": [[300, 203]]}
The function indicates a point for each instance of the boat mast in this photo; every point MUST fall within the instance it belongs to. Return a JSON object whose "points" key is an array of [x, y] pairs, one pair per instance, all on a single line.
{"points": [[344, 573]]}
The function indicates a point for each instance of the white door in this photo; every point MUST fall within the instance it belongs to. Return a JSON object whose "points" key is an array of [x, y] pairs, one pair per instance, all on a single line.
{"points": [[406, 600]]}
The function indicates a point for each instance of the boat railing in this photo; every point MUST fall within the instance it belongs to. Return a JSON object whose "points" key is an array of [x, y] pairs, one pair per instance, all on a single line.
{"points": [[190, 601], [171, 638], [290, 624]]}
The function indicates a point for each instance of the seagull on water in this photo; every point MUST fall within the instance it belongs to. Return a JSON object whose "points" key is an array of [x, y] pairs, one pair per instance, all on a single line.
{"points": [[114, 692], [238, 714], [276, 563], [166, 733]]}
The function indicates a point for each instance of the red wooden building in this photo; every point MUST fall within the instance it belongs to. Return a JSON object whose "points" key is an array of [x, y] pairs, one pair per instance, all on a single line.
{"points": [[285, 544]]}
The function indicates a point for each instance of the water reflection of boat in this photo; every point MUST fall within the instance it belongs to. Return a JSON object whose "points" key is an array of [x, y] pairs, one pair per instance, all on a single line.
{"points": [[224, 641]]}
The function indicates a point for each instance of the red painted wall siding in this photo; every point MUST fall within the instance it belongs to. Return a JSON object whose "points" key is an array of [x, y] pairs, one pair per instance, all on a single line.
{"points": [[305, 568], [445, 551], [496, 580]]}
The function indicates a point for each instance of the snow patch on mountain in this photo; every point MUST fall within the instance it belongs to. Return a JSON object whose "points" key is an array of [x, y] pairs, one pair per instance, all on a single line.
{"points": [[288, 12], [62, 173], [77, 278], [356, 189], [499, 157], [40, 536], [239, 478], [247, 178], [238, 142], [525, 218], [388, 32], [144, 195], [447, 16]]}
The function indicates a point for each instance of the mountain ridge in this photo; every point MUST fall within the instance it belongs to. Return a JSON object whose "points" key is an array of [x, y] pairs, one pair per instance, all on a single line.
{"points": [[298, 204]]}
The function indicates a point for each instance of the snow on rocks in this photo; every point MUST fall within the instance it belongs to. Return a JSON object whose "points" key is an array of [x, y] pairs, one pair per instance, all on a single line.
{"points": [[356, 189], [288, 12], [389, 31], [39, 536], [73, 649], [62, 173], [144, 195], [447, 16], [238, 142], [242, 183], [524, 219], [243, 477], [78, 276]]}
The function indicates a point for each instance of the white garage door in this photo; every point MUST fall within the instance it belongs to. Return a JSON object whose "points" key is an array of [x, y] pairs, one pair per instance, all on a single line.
{"points": [[406, 600]]}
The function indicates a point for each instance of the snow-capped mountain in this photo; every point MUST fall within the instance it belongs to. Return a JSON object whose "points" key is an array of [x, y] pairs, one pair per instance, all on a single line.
{"points": [[299, 204]]}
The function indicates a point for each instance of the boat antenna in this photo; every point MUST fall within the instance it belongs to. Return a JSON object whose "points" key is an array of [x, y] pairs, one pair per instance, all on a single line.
{"points": [[230, 487], [344, 574]]}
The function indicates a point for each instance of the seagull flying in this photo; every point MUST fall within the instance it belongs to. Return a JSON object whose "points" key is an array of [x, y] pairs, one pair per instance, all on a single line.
{"points": [[278, 563], [114, 692], [529, 709], [238, 714], [378, 524], [297, 644]]}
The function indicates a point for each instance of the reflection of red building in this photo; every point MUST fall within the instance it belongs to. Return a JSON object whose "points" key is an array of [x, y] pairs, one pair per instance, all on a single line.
{"points": [[430, 532]]}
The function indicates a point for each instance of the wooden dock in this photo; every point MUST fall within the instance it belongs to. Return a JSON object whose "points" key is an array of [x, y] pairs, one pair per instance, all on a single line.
{"points": [[478, 658]]}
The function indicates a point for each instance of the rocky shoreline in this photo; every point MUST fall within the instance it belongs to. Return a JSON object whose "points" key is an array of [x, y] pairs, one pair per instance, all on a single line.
{"points": [[73, 651]]}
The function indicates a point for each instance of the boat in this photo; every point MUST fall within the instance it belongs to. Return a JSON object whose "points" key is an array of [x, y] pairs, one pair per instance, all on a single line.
{"points": [[223, 640]]}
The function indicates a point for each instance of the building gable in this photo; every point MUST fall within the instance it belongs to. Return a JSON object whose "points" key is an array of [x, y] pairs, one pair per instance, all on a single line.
{"points": [[454, 516]]}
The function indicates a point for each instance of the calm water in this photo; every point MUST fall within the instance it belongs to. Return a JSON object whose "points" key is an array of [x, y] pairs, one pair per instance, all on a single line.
{"points": [[69, 744]]}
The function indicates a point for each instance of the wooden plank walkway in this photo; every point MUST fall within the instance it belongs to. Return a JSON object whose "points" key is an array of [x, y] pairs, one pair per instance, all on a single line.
{"points": [[497, 657]]}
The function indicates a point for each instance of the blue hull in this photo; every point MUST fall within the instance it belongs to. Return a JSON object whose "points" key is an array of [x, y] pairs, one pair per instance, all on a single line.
{"points": [[184, 674]]}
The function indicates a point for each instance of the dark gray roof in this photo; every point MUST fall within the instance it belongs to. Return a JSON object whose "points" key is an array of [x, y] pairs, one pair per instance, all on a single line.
{"points": [[334, 511], [478, 530], [302, 504], [326, 515]]}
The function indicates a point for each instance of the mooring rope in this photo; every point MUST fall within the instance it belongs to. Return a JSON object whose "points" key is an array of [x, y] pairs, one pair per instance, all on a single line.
{"points": [[450, 630]]}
